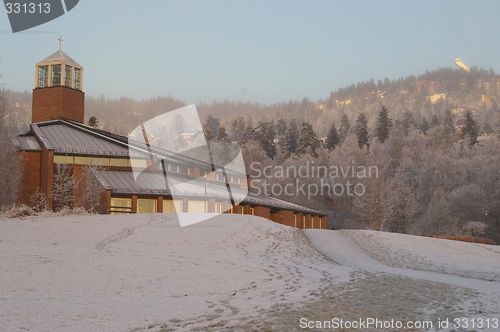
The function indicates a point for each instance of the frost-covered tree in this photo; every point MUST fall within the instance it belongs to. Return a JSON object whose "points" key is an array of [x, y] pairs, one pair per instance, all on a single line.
{"points": [[362, 131], [344, 128], [212, 124], [384, 123], [308, 141], [281, 127], [434, 121], [290, 142], [10, 163], [424, 126], [222, 136], [332, 139], [264, 134], [470, 129], [63, 185]]}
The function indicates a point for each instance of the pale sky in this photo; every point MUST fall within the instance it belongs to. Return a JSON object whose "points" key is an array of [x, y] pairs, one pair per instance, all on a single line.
{"points": [[265, 51]]}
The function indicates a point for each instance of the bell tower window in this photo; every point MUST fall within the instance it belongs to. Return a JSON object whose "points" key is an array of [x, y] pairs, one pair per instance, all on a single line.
{"points": [[76, 84], [67, 76], [43, 76], [56, 75]]}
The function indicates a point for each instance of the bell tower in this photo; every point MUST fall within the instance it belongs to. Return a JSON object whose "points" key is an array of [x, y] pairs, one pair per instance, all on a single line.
{"points": [[58, 89]]}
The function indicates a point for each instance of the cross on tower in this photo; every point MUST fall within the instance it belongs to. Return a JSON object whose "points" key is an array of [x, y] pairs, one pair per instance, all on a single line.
{"points": [[60, 42]]}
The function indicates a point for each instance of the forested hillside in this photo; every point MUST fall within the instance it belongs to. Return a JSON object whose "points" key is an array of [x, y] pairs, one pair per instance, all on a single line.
{"points": [[432, 138]]}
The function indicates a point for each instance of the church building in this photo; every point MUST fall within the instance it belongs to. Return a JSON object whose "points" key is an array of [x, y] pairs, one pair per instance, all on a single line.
{"points": [[58, 141]]}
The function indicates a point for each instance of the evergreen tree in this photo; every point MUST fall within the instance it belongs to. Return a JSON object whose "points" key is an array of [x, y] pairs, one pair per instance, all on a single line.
{"points": [[333, 138], [487, 129], [344, 128], [362, 131], [222, 136], [384, 123], [408, 120], [448, 121], [434, 121], [248, 134], [265, 134], [235, 135], [93, 122], [308, 141], [281, 127], [212, 124], [470, 129], [424, 126], [208, 135], [290, 141]]}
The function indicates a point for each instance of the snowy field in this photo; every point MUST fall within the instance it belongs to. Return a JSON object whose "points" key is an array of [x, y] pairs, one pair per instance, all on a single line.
{"points": [[234, 273]]}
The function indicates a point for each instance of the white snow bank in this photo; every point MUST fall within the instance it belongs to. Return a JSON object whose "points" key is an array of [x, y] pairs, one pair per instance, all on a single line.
{"points": [[471, 260], [115, 273]]}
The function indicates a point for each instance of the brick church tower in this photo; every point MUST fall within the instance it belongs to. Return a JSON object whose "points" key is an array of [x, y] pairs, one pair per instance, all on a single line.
{"points": [[58, 89]]}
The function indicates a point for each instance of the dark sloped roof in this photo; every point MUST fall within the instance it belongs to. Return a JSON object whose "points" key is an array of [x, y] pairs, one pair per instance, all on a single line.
{"points": [[66, 139], [153, 183], [27, 142]]}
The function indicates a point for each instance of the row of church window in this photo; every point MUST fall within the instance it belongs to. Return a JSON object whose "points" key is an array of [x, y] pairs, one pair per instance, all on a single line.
{"points": [[122, 162], [71, 76], [121, 205], [124, 205]]}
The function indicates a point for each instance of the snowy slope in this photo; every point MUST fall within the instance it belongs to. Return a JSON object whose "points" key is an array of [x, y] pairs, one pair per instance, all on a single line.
{"points": [[121, 272], [232, 272]]}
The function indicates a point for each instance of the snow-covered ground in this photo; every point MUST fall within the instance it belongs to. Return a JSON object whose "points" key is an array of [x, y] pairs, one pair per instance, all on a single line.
{"points": [[231, 273]]}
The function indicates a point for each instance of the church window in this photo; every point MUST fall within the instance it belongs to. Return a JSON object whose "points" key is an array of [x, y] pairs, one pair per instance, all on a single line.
{"points": [[76, 84], [43, 76], [67, 76], [56, 75]]}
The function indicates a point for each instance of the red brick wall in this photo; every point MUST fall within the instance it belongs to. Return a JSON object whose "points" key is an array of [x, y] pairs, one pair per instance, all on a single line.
{"points": [[57, 102], [308, 223], [287, 217], [262, 211], [46, 175], [30, 179], [300, 220], [324, 222]]}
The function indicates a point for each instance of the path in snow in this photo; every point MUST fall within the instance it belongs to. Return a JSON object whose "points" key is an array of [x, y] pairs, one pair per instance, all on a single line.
{"points": [[342, 250]]}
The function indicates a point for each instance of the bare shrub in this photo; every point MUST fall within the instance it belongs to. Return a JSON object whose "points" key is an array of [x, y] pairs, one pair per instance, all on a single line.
{"points": [[38, 202], [475, 227], [10, 164]]}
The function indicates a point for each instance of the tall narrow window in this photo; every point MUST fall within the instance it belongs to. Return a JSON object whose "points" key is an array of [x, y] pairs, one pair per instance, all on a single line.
{"points": [[56, 75], [67, 77], [43, 76], [76, 84]]}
